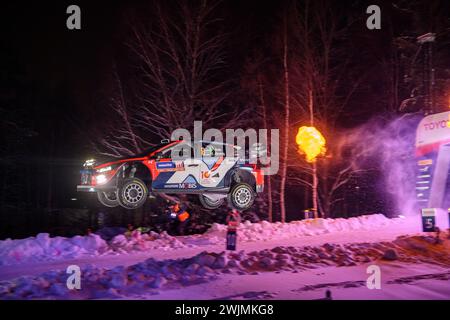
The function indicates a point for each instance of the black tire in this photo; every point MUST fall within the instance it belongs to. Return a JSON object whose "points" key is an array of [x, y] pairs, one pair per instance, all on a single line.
{"points": [[108, 199], [241, 196], [208, 203], [132, 193]]}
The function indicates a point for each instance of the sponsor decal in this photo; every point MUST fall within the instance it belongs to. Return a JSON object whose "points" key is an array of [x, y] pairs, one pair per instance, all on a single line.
{"points": [[436, 125], [184, 185], [188, 186], [432, 132], [171, 186], [164, 165], [169, 166], [207, 177], [206, 174]]}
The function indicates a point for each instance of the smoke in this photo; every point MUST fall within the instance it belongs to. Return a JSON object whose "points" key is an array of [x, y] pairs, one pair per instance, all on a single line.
{"points": [[387, 146]]}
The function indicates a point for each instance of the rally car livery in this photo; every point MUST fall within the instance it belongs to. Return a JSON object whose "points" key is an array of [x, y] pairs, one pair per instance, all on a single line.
{"points": [[212, 175]]}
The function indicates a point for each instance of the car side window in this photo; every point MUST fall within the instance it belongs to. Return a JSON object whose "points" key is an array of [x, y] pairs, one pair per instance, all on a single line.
{"points": [[212, 150], [165, 154], [181, 152]]}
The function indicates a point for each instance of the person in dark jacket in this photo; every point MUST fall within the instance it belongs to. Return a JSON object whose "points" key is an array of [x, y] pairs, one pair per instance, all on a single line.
{"points": [[181, 216]]}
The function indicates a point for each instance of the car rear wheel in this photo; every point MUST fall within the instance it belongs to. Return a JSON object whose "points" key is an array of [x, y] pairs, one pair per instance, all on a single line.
{"points": [[108, 198], [132, 193], [210, 202], [241, 196]]}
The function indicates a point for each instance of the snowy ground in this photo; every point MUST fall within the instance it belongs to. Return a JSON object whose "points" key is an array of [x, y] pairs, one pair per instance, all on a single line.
{"points": [[298, 260]]}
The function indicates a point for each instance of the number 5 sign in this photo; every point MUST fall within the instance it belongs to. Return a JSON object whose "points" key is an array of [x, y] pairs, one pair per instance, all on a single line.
{"points": [[428, 219]]}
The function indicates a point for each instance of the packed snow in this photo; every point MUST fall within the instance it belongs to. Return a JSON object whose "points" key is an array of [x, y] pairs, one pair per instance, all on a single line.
{"points": [[297, 260], [265, 230], [149, 276], [44, 248]]}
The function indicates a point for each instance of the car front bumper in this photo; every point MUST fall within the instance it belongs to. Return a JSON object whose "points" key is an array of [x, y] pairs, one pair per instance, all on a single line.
{"points": [[88, 188]]}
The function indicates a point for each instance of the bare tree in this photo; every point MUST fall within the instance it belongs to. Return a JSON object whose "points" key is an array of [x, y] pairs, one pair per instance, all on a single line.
{"points": [[286, 122], [266, 125], [180, 72], [319, 68], [123, 137]]}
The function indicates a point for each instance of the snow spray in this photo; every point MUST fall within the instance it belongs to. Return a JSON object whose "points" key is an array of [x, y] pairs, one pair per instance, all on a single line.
{"points": [[388, 146]]}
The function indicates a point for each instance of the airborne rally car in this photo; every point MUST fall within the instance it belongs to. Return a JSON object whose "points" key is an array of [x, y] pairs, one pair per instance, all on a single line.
{"points": [[212, 175]]}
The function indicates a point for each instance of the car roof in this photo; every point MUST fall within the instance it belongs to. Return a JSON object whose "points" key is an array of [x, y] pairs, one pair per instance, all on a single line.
{"points": [[211, 142]]}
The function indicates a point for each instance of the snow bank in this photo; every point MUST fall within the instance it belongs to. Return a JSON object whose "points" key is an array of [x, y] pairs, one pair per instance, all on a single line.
{"points": [[151, 275], [142, 242], [44, 248], [263, 231]]}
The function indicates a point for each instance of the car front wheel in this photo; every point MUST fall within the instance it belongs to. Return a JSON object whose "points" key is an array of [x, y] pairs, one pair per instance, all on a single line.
{"points": [[108, 199], [241, 196], [210, 202], [133, 193]]}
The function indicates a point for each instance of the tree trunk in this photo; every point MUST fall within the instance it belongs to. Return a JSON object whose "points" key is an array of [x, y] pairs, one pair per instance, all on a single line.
{"points": [[286, 125], [269, 199], [314, 189], [269, 181], [314, 164], [50, 173], [324, 201]]}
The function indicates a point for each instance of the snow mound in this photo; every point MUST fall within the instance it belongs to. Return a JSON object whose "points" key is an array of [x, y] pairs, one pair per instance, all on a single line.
{"points": [[44, 248], [151, 276], [263, 231], [142, 242]]}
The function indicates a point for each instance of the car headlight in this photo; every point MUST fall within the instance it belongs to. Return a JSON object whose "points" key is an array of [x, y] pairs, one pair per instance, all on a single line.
{"points": [[104, 174], [105, 169], [89, 163], [101, 178]]}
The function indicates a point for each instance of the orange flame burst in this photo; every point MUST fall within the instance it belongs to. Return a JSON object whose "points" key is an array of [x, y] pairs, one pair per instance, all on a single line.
{"points": [[310, 142]]}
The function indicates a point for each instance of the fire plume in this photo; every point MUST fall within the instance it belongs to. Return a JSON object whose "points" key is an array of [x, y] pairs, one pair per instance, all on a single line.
{"points": [[310, 142]]}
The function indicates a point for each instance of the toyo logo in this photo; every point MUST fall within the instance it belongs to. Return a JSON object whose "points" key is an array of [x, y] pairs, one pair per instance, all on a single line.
{"points": [[440, 124], [437, 125]]}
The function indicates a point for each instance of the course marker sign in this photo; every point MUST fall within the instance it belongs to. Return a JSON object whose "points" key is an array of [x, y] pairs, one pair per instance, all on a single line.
{"points": [[428, 219]]}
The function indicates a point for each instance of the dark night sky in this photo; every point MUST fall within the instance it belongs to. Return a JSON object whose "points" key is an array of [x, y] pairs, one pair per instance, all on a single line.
{"points": [[58, 77], [64, 74], [75, 65], [68, 72]]}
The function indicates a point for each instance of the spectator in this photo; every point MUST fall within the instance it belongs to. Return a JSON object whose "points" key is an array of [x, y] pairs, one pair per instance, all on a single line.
{"points": [[182, 217], [233, 220]]}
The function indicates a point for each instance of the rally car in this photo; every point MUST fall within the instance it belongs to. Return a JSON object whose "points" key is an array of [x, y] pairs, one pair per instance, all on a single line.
{"points": [[168, 168]]}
